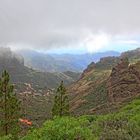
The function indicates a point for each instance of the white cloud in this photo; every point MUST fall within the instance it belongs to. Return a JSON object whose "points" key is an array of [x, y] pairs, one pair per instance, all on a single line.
{"points": [[50, 24], [95, 43], [130, 42]]}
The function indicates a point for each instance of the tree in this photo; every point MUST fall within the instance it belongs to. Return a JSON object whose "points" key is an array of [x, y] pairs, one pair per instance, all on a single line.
{"points": [[61, 102], [9, 107]]}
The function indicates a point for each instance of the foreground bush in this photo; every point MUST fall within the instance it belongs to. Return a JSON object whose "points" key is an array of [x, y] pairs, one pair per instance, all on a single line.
{"points": [[9, 137], [66, 128], [122, 125]]}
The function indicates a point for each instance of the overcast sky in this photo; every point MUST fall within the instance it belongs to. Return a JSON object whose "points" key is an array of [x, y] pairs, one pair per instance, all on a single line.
{"points": [[81, 25]]}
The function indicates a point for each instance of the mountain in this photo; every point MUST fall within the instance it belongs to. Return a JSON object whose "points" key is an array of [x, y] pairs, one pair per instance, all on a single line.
{"points": [[107, 84], [24, 77], [34, 89], [61, 62], [124, 81], [133, 55]]}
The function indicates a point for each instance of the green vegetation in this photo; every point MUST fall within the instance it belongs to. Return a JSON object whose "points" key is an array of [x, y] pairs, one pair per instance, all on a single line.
{"points": [[122, 125], [61, 102], [36, 108], [9, 107], [91, 94], [64, 128]]}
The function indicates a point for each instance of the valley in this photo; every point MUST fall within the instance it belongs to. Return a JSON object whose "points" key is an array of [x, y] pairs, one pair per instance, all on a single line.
{"points": [[69, 70], [103, 87]]}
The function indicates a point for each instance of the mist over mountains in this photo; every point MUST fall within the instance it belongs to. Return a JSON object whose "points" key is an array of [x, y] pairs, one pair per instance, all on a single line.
{"points": [[104, 86], [69, 70], [22, 75], [45, 70], [62, 62]]}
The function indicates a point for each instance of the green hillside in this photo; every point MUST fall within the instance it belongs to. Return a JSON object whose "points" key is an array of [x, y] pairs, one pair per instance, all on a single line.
{"points": [[104, 102], [122, 125]]}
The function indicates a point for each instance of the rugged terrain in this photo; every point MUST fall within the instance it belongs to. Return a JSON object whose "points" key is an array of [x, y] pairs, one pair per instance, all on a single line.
{"points": [[104, 86], [35, 89], [124, 81], [22, 75]]}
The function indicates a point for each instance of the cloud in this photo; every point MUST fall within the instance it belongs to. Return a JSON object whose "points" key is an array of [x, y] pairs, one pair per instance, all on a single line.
{"points": [[46, 24], [130, 42], [95, 43]]}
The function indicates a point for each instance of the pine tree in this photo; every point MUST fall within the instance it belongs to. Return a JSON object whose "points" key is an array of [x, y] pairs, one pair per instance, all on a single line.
{"points": [[9, 107], [61, 102]]}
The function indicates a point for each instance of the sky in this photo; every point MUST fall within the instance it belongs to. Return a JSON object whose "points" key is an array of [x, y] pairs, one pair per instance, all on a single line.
{"points": [[70, 26]]}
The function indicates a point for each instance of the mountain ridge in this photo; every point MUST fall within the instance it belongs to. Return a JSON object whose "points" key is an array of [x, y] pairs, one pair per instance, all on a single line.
{"points": [[21, 74], [104, 82], [61, 62]]}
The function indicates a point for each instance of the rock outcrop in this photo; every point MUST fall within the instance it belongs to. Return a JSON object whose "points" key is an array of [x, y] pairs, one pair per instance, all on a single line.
{"points": [[105, 86], [124, 81]]}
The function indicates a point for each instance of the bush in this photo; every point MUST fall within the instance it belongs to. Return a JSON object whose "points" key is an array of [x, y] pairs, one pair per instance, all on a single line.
{"points": [[122, 125], [66, 128], [9, 137]]}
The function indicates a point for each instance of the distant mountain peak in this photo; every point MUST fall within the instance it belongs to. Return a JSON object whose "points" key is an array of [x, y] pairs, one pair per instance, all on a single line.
{"points": [[62, 62]]}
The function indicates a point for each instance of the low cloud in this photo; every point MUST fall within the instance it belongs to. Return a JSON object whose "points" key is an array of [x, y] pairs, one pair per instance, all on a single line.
{"points": [[46, 24]]}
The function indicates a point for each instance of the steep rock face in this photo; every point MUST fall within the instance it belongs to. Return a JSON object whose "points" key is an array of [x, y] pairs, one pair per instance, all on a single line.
{"points": [[124, 81]]}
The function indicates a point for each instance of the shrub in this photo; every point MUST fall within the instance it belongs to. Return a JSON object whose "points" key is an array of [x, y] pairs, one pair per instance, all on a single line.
{"points": [[9, 137], [122, 125], [65, 128]]}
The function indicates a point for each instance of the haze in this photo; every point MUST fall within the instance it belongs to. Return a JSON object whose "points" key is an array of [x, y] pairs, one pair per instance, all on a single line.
{"points": [[64, 26]]}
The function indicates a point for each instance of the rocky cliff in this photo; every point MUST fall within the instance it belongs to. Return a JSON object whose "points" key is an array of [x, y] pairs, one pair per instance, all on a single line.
{"points": [[124, 81]]}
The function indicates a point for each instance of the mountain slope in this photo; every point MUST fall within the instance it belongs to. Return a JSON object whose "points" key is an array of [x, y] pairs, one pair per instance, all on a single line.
{"points": [[104, 85], [22, 75], [34, 89], [133, 55], [124, 81], [90, 90]]}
